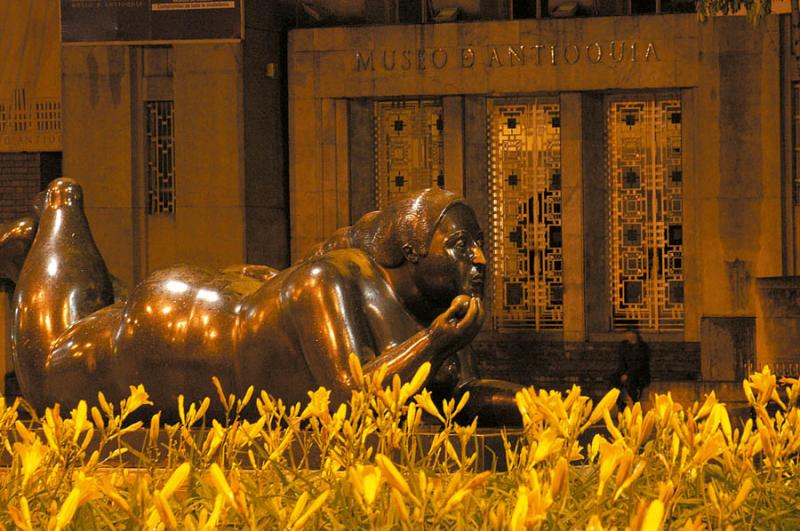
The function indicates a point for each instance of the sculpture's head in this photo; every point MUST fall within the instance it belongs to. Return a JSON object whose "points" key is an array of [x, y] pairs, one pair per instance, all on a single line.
{"points": [[437, 232], [64, 192]]}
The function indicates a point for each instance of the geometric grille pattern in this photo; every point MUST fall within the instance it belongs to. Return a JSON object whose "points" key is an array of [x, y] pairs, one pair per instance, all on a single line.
{"points": [[409, 147], [525, 217], [160, 156], [645, 212], [19, 115], [796, 143]]}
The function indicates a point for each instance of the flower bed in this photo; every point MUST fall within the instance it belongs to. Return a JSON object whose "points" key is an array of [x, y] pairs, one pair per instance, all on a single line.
{"points": [[366, 464]]}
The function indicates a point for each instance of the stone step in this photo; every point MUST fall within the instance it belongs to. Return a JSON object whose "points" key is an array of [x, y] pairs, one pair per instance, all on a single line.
{"points": [[687, 392]]}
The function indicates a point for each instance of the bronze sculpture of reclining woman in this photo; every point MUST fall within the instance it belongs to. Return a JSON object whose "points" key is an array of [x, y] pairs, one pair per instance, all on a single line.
{"points": [[400, 287]]}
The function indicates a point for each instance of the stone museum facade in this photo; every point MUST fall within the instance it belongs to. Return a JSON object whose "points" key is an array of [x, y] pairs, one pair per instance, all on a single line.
{"points": [[628, 171]]}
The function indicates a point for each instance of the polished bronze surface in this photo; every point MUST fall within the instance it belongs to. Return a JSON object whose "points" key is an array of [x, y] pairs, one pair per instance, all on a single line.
{"points": [[400, 287], [16, 238]]}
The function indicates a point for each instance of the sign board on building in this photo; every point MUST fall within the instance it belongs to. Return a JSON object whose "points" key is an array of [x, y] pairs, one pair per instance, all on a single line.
{"points": [[125, 21], [30, 77]]}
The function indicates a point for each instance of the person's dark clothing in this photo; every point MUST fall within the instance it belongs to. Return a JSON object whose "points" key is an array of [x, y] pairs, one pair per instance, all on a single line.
{"points": [[634, 363]]}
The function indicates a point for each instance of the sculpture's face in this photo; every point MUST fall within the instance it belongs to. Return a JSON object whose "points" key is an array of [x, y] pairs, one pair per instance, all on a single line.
{"points": [[455, 263]]}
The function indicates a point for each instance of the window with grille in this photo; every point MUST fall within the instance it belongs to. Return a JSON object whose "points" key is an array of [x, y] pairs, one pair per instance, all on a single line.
{"points": [[160, 156], [525, 212], [796, 143], [19, 114], [645, 181], [409, 147]]}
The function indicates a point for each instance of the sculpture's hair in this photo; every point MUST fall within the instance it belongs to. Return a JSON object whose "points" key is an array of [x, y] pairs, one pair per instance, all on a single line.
{"points": [[383, 233]]}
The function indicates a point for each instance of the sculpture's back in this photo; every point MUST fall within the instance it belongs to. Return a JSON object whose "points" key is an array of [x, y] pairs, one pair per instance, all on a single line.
{"points": [[397, 289]]}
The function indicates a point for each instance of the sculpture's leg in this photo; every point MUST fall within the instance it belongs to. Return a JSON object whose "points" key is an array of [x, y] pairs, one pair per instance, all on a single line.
{"points": [[492, 401], [63, 279], [16, 238]]}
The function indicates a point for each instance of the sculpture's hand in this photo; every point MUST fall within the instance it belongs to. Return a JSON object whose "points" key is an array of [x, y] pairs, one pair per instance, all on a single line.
{"points": [[456, 327]]}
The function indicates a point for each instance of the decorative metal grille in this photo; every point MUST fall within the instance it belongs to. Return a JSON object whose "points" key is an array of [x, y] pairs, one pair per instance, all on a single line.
{"points": [[409, 147], [160, 156], [47, 115], [645, 212], [796, 143], [525, 190], [19, 115]]}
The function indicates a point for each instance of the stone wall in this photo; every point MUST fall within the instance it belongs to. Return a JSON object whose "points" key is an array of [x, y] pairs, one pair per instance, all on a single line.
{"points": [[557, 365], [728, 76], [20, 181], [779, 323], [229, 170]]}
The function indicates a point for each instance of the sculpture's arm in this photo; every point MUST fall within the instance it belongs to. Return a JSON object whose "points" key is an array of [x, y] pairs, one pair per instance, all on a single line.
{"points": [[328, 316], [449, 332]]}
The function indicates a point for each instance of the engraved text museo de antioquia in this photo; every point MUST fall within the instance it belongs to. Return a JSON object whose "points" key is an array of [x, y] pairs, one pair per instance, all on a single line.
{"points": [[505, 56]]}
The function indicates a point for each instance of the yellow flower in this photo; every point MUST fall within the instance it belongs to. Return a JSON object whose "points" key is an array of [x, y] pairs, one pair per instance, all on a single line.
{"points": [[68, 509], [214, 438], [366, 479], [136, 426], [107, 408], [425, 401], [665, 491], [653, 517], [602, 407], [221, 393], [711, 401], [138, 398], [24, 433], [245, 399], [79, 420], [532, 504], [98, 418], [87, 486], [220, 483], [393, 476], [278, 452], [247, 432], [211, 523], [549, 443], [355, 370], [319, 406], [301, 521], [741, 496], [560, 479], [664, 407], [694, 525], [520, 514], [420, 377], [454, 499], [22, 515], [176, 480], [164, 511], [155, 425], [610, 455], [399, 505], [108, 489], [637, 472], [31, 456], [710, 449], [594, 524]]}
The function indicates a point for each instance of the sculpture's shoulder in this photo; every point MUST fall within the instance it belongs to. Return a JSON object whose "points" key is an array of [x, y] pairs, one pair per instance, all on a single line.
{"points": [[333, 270]]}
